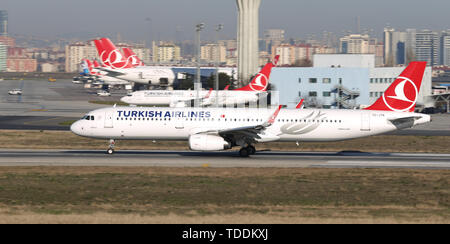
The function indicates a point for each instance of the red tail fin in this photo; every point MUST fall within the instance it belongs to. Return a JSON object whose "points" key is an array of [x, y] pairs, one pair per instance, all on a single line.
{"points": [[261, 80], [132, 57], [402, 95], [100, 48], [299, 105], [209, 93], [89, 65], [96, 64], [110, 55]]}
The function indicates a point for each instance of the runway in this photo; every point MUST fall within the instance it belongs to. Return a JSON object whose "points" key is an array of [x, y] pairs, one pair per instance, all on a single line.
{"points": [[265, 159]]}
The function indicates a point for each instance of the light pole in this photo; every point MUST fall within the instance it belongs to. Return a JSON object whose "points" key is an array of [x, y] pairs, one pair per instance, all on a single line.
{"points": [[198, 83], [216, 83], [149, 20]]}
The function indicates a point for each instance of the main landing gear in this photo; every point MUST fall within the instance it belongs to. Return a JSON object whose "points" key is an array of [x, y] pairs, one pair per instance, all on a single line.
{"points": [[112, 144], [247, 151]]}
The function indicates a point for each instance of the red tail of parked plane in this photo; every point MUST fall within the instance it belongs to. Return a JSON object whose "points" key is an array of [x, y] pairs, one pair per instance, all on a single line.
{"points": [[402, 95], [110, 56], [261, 80]]}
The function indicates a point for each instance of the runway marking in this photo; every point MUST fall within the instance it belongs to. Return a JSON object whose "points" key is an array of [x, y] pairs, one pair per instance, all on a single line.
{"points": [[36, 121], [38, 110], [383, 164]]}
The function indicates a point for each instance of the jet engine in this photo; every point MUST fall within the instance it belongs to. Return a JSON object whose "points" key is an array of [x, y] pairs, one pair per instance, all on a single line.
{"points": [[202, 142]]}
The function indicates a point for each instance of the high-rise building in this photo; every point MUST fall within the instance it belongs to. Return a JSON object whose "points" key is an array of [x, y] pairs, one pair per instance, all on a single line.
{"points": [[355, 44], [410, 45], [212, 53], [166, 52], [3, 55], [3, 23], [294, 54], [427, 47], [394, 47], [273, 37], [19, 60], [77, 52], [445, 48]]}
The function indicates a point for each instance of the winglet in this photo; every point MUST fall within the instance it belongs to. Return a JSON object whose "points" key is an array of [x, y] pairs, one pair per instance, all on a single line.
{"points": [[299, 105], [273, 117], [275, 60], [227, 87], [209, 93]]}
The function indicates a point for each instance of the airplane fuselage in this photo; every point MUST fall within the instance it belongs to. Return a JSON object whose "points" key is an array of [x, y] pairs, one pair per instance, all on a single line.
{"points": [[147, 75], [173, 97], [306, 125]]}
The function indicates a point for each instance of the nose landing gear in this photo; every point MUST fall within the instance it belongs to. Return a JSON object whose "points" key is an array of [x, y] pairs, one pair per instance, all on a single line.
{"points": [[112, 144]]}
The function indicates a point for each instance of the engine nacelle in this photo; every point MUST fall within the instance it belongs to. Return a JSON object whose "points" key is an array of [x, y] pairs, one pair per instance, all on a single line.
{"points": [[202, 142]]}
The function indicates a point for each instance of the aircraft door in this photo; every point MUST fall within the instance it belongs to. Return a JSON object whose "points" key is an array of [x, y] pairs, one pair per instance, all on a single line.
{"points": [[365, 122], [109, 119], [179, 123]]}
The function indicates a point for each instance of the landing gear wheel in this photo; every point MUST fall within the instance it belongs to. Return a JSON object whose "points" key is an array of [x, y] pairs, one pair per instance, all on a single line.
{"points": [[112, 144], [251, 150], [244, 152]]}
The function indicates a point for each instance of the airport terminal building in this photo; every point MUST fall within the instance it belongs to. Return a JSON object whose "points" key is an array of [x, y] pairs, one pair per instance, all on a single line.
{"points": [[340, 80]]}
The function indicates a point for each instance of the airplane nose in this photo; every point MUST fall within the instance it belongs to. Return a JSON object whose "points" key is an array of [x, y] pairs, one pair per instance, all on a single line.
{"points": [[77, 128], [124, 99]]}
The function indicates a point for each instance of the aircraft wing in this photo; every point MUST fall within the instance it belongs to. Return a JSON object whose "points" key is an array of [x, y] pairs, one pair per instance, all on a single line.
{"points": [[111, 73], [405, 122], [203, 101], [248, 134]]}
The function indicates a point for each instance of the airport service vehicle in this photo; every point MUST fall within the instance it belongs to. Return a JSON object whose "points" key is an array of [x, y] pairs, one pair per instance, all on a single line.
{"points": [[185, 98], [15, 92], [103, 93], [129, 69], [215, 129]]}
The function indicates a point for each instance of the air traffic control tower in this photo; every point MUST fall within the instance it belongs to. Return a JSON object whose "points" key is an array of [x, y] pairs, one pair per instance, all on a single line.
{"points": [[247, 38]]}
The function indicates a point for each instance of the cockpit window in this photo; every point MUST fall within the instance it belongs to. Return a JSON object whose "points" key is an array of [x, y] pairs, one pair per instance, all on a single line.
{"points": [[92, 117]]}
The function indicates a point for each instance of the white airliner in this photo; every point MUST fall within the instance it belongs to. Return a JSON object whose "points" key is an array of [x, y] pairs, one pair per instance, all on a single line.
{"points": [[93, 70], [251, 93], [126, 68], [214, 129]]}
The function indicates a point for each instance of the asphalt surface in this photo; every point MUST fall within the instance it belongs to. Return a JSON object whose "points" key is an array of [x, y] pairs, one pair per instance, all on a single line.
{"points": [[45, 105], [223, 159]]}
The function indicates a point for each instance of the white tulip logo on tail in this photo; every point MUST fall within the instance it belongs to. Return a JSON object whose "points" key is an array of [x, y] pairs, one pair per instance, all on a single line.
{"points": [[134, 60], [114, 59], [259, 83], [403, 97]]}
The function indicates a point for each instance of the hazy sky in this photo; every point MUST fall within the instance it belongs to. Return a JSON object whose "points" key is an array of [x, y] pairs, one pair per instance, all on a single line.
{"points": [[297, 17]]}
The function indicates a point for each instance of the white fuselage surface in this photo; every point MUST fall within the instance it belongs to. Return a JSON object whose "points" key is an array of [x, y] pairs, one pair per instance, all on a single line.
{"points": [[291, 124], [206, 98]]}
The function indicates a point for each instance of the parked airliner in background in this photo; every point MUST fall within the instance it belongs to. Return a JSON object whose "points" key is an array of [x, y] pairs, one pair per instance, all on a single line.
{"points": [[185, 98], [126, 68], [213, 129], [100, 77]]}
